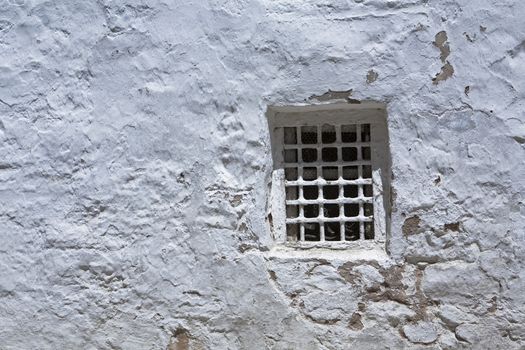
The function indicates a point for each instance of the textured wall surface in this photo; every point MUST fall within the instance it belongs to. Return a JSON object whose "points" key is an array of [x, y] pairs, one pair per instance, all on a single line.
{"points": [[135, 161]]}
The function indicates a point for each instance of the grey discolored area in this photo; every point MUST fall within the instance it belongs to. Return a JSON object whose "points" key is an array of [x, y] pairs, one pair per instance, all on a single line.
{"points": [[135, 161]]}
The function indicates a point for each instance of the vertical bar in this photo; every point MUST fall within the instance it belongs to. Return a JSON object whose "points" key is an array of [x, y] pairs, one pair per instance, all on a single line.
{"points": [[341, 214], [320, 215], [300, 170], [338, 140], [360, 186]]}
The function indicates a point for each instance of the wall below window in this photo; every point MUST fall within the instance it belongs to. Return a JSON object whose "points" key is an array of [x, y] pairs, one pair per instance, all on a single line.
{"points": [[135, 160]]}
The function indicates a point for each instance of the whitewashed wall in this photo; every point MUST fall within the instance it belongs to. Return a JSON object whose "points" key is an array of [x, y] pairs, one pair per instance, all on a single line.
{"points": [[134, 168]]}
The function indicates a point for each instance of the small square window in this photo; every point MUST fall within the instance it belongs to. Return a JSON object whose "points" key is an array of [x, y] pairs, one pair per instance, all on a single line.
{"points": [[329, 175]]}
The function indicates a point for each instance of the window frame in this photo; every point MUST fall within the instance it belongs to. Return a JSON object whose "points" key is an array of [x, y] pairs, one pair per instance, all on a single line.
{"points": [[372, 113]]}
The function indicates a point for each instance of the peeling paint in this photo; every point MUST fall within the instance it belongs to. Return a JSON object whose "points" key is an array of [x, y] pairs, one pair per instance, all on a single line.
{"points": [[371, 76]]}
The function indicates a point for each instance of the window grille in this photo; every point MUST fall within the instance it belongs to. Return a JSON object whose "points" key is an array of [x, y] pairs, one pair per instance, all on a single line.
{"points": [[327, 159]]}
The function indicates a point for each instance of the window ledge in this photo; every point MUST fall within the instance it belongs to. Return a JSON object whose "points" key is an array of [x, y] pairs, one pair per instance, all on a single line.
{"points": [[354, 251]]}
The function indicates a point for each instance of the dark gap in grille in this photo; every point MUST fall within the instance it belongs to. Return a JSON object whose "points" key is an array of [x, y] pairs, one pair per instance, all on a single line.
{"points": [[329, 154], [351, 210], [290, 174], [330, 173], [349, 154], [310, 192], [311, 210], [348, 133], [331, 192], [368, 209], [309, 135], [292, 231], [309, 155], [367, 171], [292, 193], [365, 133], [309, 173], [292, 211], [332, 231], [350, 172], [290, 155], [367, 190], [369, 230], [312, 232], [365, 153], [290, 136], [331, 210], [350, 191], [328, 134], [351, 231]]}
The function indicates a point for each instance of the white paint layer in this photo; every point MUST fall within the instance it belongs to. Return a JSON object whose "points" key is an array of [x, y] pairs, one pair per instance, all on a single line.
{"points": [[135, 166]]}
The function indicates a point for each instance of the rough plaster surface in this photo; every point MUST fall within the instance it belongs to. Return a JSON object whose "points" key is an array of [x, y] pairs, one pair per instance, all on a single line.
{"points": [[135, 160]]}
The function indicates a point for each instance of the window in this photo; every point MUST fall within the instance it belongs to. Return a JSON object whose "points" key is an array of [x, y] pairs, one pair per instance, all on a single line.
{"points": [[330, 178]]}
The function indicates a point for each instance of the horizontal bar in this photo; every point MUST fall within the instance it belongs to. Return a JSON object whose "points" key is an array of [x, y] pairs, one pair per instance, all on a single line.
{"points": [[326, 164], [299, 146], [323, 182], [330, 201], [321, 220]]}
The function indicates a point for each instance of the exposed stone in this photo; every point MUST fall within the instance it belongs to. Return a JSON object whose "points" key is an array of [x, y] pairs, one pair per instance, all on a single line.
{"points": [[371, 76], [421, 332], [468, 333], [458, 282], [411, 225]]}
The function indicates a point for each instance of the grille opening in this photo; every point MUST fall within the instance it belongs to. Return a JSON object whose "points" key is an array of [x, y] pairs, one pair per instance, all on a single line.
{"points": [[365, 153], [352, 231], [309, 135], [290, 156], [350, 191], [309, 173], [291, 174], [350, 172], [311, 232], [310, 192], [290, 136], [292, 193], [331, 210], [292, 211], [330, 173], [329, 154], [332, 231], [330, 192], [351, 210], [311, 211], [349, 154], [328, 134], [328, 199], [348, 133], [309, 155]]}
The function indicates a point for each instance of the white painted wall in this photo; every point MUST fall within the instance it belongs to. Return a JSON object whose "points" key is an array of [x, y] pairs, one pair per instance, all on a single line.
{"points": [[134, 162]]}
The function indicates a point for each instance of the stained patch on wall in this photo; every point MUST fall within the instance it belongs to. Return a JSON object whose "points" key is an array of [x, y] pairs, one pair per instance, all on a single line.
{"points": [[440, 41]]}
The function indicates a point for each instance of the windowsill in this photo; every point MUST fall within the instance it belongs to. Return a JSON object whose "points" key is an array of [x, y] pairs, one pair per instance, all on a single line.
{"points": [[353, 251]]}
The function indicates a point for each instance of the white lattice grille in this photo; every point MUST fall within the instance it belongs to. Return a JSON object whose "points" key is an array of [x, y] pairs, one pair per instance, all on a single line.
{"points": [[328, 182]]}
